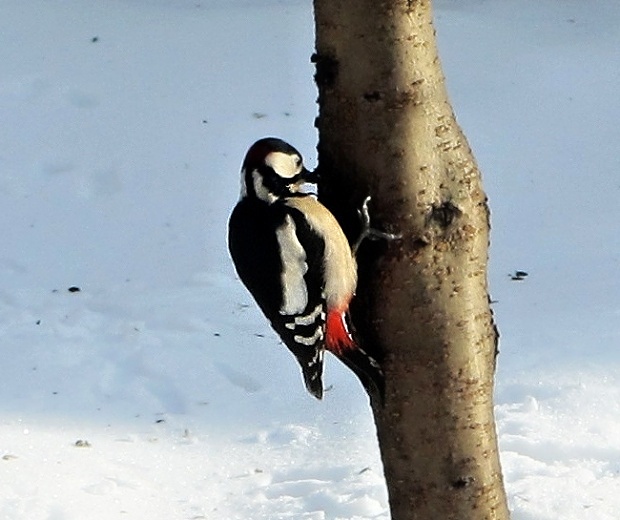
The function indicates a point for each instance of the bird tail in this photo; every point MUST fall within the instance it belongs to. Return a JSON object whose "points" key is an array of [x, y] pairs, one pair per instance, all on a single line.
{"points": [[368, 371], [312, 371]]}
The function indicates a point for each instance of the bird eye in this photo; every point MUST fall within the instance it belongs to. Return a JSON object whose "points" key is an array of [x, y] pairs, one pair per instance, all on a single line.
{"points": [[297, 161]]}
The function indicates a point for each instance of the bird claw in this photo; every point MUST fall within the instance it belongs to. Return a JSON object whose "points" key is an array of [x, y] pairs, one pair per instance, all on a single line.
{"points": [[368, 231]]}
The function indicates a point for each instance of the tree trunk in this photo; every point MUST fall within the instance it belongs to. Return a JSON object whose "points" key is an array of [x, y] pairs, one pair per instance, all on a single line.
{"points": [[386, 129]]}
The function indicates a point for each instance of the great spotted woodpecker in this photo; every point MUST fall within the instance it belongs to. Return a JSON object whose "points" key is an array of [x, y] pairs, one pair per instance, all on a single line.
{"points": [[294, 258]]}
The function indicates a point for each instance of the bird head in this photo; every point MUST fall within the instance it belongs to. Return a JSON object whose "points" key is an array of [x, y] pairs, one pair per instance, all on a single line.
{"points": [[273, 169]]}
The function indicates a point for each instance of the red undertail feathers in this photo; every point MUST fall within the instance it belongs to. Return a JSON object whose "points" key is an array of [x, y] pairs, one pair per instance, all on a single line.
{"points": [[337, 336]]}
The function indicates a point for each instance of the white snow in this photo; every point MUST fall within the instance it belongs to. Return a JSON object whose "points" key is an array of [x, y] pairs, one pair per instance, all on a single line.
{"points": [[158, 391]]}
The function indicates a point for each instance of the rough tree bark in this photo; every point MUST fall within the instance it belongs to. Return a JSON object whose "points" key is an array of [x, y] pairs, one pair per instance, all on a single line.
{"points": [[386, 128]]}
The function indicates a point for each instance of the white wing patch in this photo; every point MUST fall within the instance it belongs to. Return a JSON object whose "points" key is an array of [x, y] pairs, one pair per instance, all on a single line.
{"points": [[310, 341], [309, 319], [294, 267]]}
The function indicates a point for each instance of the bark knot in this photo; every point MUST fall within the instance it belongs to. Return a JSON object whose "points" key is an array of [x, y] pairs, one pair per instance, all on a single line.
{"points": [[373, 96], [444, 214], [463, 482]]}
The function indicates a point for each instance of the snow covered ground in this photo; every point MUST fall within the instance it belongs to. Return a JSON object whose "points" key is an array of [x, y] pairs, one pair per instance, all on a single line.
{"points": [[157, 390]]}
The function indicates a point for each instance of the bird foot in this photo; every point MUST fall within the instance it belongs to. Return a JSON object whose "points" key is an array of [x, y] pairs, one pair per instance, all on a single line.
{"points": [[368, 231]]}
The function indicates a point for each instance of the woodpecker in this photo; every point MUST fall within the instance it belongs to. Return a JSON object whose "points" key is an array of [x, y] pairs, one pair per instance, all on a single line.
{"points": [[292, 255]]}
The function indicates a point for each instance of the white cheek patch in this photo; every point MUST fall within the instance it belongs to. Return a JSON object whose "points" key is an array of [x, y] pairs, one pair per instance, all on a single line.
{"points": [[261, 191], [283, 164], [294, 267]]}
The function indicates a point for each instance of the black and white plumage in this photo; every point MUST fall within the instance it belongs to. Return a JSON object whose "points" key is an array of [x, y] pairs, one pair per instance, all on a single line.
{"points": [[292, 255]]}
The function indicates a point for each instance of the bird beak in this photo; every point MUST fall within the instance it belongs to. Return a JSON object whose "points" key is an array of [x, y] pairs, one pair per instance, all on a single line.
{"points": [[306, 183], [308, 176]]}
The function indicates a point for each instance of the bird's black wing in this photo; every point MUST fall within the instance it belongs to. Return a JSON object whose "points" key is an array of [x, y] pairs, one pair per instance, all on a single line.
{"points": [[253, 247], [258, 261]]}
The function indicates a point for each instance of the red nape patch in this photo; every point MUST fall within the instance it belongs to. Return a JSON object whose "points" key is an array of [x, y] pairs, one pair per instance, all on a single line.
{"points": [[337, 336]]}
